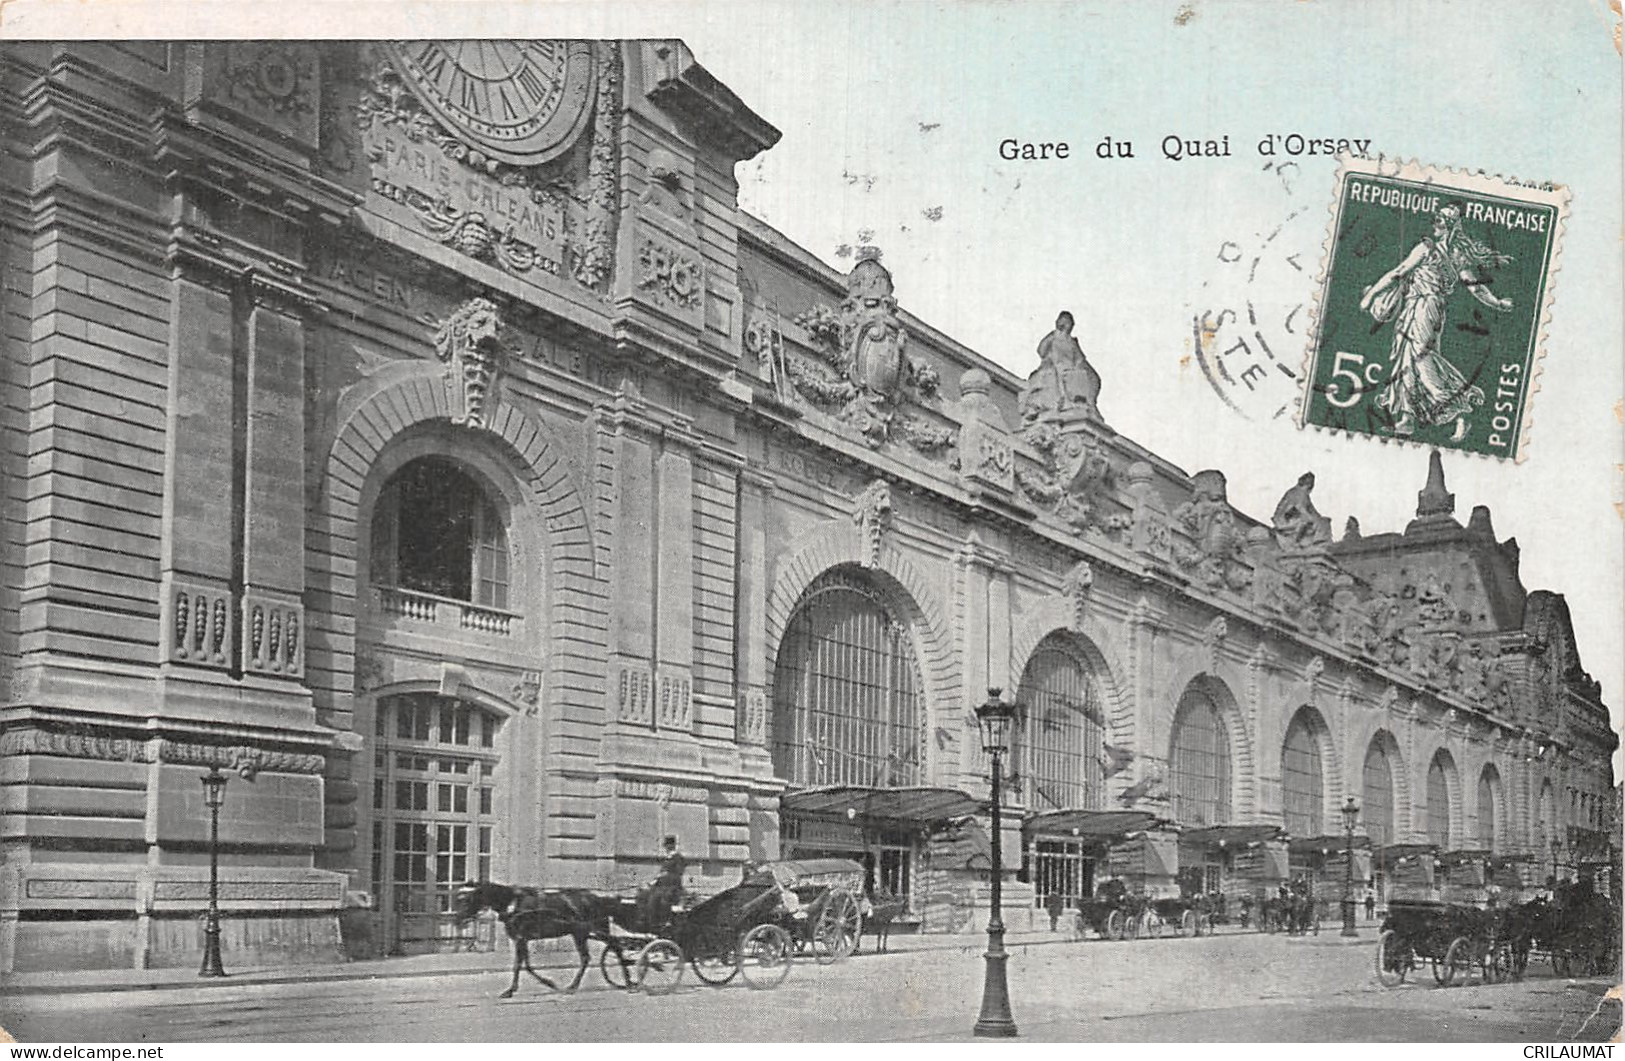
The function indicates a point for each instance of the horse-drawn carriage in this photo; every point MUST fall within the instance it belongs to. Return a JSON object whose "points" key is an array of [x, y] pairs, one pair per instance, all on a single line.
{"points": [[752, 930], [1116, 913], [1577, 928], [1454, 938]]}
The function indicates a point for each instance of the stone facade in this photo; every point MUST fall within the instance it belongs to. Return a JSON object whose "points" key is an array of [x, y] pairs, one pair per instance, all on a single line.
{"points": [[253, 288]]}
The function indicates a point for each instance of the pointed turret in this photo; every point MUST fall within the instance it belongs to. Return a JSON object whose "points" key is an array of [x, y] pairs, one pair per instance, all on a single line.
{"points": [[1435, 501]]}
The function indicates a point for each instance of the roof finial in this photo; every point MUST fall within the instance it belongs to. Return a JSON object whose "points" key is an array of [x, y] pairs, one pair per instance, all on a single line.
{"points": [[1434, 500]]}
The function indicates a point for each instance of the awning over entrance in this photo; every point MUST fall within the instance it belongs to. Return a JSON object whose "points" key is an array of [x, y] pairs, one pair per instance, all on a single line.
{"points": [[1097, 825], [900, 806], [1229, 835], [1395, 853], [1326, 845], [1463, 857]]}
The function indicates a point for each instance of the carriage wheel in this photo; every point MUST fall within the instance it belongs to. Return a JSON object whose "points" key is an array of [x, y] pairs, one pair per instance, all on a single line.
{"points": [[617, 969], [1131, 927], [839, 926], [1114, 925], [660, 967], [1187, 923], [1150, 925], [714, 969], [1393, 960], [1457, 956], [764, 956]]}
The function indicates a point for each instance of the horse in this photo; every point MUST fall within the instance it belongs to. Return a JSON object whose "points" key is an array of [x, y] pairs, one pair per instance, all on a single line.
{"points": [[539, 913], [882, 912]]}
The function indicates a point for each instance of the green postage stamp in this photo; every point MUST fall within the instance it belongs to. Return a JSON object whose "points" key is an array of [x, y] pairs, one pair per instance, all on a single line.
{"points": [[1432, 306]]}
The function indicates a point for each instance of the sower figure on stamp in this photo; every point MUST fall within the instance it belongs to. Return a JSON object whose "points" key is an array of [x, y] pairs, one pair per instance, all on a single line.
{"points": [[1064, 380], [1423, 388]]}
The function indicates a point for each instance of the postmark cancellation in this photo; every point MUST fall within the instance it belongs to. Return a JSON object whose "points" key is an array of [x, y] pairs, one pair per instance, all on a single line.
{"points": [[1432, 306]]}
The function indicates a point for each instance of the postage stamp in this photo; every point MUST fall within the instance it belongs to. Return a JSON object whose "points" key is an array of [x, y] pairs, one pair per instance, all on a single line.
{"points": [[1432, 305]]}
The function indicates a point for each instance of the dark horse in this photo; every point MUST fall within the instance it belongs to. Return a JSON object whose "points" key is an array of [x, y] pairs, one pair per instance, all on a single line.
{"points": [[539, 913]]}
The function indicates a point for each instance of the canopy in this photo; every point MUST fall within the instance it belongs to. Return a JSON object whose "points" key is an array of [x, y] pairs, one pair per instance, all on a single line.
{"points": [[1392, 853], [1328, 845], [904, 806], [1463, 856], [794, 872], [1230, 835], [1088, 824]]}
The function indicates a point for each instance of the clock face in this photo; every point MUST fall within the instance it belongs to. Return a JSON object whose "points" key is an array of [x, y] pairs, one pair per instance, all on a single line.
{"points": [[522, 102]]}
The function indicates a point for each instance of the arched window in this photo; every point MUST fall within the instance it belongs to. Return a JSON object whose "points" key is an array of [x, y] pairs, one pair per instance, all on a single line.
{"points": [[436, 531], [1489, 783], [848, 702], [433, 796], [1060, 742], [1377, 794], [1438, 815], [1200, 761], [1545, 816], [1303, 793]]}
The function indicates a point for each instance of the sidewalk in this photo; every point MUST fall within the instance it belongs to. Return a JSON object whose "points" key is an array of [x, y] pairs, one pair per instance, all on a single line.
{"points": [[554, 958], [499, 961]]}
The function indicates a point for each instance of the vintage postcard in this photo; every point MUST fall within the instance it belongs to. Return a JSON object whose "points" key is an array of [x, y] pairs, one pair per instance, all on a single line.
{"points": [[819, 522]]}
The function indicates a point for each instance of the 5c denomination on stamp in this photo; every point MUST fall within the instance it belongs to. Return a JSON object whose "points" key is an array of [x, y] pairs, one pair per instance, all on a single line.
{"points": [[1433, 301]]}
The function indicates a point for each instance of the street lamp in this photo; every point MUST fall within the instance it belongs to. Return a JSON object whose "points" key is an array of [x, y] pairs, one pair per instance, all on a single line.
{"points": [[1351, 812], [995, 718], [214, 794]]}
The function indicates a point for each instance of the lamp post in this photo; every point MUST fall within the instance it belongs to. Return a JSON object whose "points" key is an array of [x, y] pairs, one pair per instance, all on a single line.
{"points": [[214, 794], [1351, 812], [995, 717]]}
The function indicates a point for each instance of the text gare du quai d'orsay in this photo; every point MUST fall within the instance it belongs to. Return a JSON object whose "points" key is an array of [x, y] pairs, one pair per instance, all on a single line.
{"points": [[1177, 148]]}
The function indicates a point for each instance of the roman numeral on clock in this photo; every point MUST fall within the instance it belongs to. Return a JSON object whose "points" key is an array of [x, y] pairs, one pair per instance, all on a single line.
{"points": [[432, 59], [531, 84]]}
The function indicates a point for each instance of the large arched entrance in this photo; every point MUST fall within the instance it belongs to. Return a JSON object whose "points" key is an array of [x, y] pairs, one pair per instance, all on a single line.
{"points": [[1057, 757], [849, 710], [1377, 802], [1303, 783], [1199, 778], [1441, 775]]}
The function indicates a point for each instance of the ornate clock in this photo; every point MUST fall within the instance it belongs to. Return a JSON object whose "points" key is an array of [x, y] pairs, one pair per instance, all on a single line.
{"points": [[522, 102]]}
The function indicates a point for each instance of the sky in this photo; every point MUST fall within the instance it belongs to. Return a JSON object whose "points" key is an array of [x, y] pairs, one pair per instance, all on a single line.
{"points": [[892, 115]]}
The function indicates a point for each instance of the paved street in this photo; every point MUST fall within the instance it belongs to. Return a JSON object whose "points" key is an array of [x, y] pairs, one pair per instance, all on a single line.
{"points": [[1240, 987]]}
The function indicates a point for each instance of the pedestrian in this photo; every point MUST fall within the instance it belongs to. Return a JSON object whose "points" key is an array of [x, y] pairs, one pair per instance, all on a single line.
{"points": [[1370, 904], [1054, 903]]}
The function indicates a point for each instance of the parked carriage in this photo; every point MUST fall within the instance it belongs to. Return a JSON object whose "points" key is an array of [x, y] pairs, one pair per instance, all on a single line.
{"points": [[1578, 929], [753, 930], [1116, 913], [1453, 938]]}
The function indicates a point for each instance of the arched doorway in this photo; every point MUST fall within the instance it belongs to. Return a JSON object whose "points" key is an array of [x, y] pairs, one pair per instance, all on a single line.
{"points": [[1199, 761], [1377, 805], [1489, 798], [435, 813], [1303, 785], [1058, 749], [1440, 774], [849, 709]]}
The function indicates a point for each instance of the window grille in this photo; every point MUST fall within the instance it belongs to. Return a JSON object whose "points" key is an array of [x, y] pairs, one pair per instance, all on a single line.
{"points": [[847, 696], [1377, 796], [1059, 743], [1438, 814], [1302, 784], [1200, 761]]}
